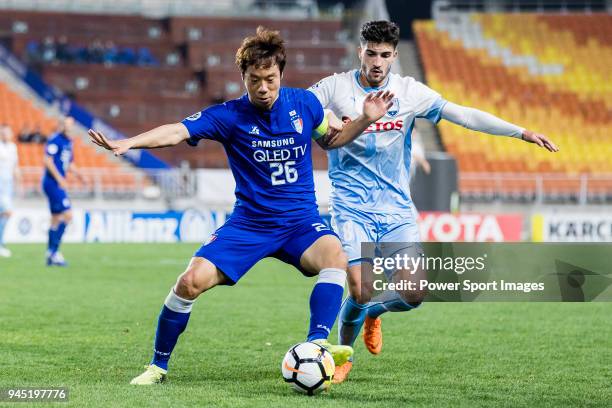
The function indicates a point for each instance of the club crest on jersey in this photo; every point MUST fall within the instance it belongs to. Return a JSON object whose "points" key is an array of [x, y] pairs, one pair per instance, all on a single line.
{"points": [[296, 122], [394, 109], [195, 116], [210, 239]]}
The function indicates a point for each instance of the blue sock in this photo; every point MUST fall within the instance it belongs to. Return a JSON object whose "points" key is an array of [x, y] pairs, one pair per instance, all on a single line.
{"points": [[394, 304], [3, 222], [352, 316], [325, 302], [170, 325], [52, 243], [60, 233]]}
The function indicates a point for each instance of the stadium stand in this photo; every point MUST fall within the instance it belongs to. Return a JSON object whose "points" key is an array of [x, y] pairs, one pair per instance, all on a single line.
{"points": [[134, 98], [19, 112], [545, 72]]}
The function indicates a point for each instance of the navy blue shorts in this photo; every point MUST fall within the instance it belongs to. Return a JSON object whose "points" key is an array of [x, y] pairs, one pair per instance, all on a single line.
{"points": [[242, 242], [58, 199]]}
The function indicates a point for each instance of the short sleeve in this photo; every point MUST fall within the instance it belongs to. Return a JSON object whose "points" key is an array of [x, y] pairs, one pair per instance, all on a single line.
{"points": [[319, 121], [428, 103], [212, 123], [324, 90]]}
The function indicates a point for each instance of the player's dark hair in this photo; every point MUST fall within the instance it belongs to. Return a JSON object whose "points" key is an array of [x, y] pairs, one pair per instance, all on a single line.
{"points": [[262, 50], [379, 32]]}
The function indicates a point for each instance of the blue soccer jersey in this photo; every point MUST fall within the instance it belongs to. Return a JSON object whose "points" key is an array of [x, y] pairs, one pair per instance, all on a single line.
{"points": [[269, 152], [59, 148]]}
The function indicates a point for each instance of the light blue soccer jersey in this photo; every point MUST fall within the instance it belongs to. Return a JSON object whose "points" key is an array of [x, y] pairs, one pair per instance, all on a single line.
{"points": [[371, 174], [370, 199]]}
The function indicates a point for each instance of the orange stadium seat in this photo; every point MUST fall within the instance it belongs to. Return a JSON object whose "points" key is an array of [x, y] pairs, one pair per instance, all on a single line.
{"points": [[19, 112], [572, 105]]}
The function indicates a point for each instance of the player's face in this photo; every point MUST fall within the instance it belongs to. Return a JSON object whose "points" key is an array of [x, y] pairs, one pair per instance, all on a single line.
{"points": [[67, 126], [262, 85], [7, 134], [376, 60]]}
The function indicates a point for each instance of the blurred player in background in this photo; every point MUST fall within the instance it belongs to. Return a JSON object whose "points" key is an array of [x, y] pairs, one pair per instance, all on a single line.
{"points": [[267, 136], [58, 162], [371, 198], [9, 167]]}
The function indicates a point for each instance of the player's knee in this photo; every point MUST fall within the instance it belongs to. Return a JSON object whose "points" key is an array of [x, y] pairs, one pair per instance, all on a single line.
{"points": [[186, 287], [67, 217], [189, 286]]}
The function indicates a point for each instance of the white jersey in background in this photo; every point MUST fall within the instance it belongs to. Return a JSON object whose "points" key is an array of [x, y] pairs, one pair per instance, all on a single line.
{"points": [[371, 174], [8, 163], [8, 159]]}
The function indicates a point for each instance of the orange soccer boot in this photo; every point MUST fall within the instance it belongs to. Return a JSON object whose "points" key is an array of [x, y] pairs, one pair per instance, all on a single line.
{"points": [[342, 372], [372, 334]]}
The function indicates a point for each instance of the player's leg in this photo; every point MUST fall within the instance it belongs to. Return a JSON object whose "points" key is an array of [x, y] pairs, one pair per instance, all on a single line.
{"points": [[200, 276], [59, 206], [400, 239], [326, 259], [353, 231], [224, 259], [4, 217], [5, 213]]}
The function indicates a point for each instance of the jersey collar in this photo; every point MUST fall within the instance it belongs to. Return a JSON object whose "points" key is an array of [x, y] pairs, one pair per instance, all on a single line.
{"points": [[370, 88]]}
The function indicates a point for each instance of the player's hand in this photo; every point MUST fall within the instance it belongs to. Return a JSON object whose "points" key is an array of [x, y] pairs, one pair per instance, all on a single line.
{"points": [[426, 166], [63, 183], [376, 105], [540, 140], [334, 129], [118, 147]]}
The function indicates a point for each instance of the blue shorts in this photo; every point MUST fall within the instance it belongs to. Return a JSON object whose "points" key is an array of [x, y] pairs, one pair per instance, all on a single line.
{"points": [[58, 198], [242, 242]]}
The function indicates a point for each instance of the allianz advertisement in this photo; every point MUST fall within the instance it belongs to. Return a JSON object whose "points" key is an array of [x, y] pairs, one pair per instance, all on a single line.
{"points": [[31, 226], [118, 226]]}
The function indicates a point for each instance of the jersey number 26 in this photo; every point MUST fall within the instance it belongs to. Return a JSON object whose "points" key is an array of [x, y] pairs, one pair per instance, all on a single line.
{"points": [[282, 174]]}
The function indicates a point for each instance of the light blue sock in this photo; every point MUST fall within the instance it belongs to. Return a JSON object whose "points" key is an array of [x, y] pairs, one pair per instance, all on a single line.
{"points": [[394, 304], [325, 302], [3, 222], [172, 321], [352, 316]]}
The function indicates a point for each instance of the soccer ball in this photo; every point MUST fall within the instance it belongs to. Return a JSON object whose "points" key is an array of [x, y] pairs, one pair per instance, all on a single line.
{"points": [[309, 368]]}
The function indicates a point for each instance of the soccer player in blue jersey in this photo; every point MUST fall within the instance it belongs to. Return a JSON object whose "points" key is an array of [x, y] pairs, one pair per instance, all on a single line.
{"points": [[267, 137], [58, 162], [371, 198]]}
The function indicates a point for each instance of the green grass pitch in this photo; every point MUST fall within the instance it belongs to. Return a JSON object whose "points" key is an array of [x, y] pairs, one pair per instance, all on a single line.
{"points": [[90, 327]]}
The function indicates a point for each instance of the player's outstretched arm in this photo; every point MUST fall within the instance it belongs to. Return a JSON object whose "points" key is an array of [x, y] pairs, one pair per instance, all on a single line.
{"points": [[162, 136], [478, 120], [375, 106]]}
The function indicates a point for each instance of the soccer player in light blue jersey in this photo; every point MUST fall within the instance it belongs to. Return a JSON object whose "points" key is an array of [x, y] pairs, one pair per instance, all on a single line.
{"points": [[267, 137], [371, 199]]}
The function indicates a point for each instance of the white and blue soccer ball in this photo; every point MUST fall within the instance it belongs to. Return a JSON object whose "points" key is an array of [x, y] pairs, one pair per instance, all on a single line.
{"points": [[309, 368]]}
